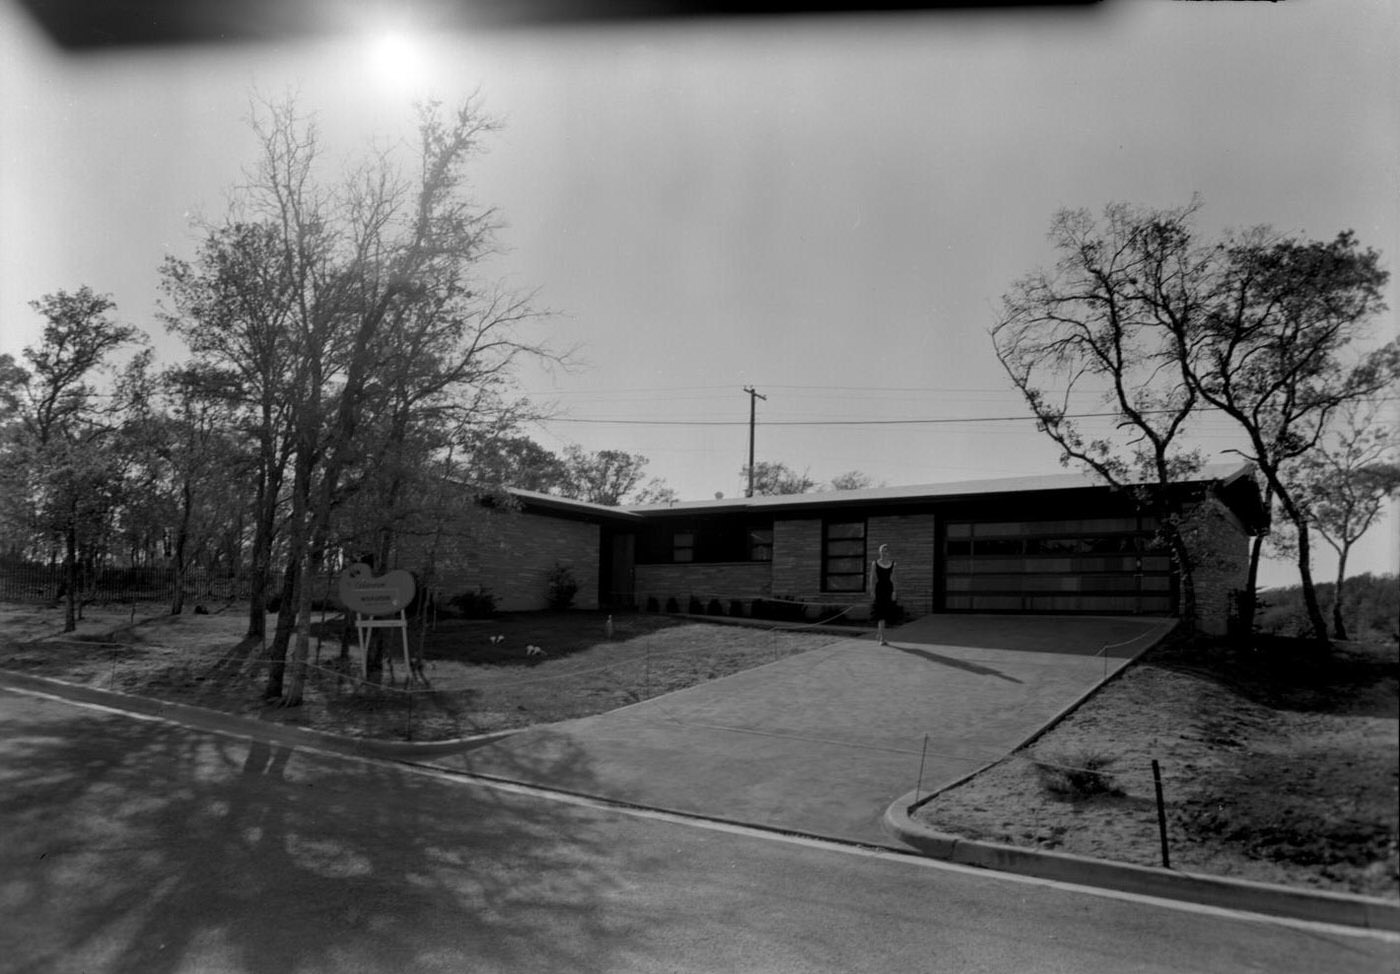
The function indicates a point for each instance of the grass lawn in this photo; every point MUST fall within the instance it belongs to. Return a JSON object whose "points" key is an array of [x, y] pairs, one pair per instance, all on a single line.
{"points": [[1278, 765], [478, 676]]}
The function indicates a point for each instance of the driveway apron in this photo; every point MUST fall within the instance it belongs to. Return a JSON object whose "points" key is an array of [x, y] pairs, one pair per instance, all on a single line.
{"points": [[823, 742]]}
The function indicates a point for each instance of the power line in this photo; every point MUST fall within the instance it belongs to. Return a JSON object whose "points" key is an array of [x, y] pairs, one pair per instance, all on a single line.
{"points": [[1207, 410], [818, 422]]}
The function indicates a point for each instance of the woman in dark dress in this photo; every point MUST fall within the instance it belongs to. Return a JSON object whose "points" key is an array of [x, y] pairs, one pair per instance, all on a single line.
{"points": [[882, 583]]}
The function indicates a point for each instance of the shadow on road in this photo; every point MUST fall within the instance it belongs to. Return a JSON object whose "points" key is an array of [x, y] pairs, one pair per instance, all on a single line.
{"points": [[143, 847]]}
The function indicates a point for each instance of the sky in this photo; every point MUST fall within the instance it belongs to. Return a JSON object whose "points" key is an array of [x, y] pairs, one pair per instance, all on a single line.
{"points": [[827, 209]]}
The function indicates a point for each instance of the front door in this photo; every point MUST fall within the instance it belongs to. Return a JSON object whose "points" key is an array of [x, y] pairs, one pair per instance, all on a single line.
{"points": [[618, 576]]}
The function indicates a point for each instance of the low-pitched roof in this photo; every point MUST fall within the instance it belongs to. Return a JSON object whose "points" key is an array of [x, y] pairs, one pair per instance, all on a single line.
{"points": [[565, 505], [1221, 474]]}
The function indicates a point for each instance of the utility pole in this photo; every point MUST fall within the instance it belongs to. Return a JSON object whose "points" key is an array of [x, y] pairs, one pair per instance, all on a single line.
{"points": [[753, 403]]}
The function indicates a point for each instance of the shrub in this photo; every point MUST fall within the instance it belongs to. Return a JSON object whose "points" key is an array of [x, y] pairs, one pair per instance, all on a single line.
{"points": [[561, 587], [480, 604], [672, 605], [1079, 774], [652, 604], [695, 607], [782, 609], [736, 607], [715, 608]]}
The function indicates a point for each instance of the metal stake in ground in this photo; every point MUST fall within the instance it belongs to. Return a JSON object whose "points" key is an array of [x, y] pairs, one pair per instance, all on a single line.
{"points": [[920, 786], [1161, 814]]}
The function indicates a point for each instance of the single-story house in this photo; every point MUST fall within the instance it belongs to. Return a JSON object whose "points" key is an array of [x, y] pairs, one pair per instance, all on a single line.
{"points": [[1062, 543]]}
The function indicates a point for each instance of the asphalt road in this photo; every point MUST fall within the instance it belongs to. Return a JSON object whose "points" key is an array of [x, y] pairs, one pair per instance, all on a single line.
{"points": [[142, 846]]}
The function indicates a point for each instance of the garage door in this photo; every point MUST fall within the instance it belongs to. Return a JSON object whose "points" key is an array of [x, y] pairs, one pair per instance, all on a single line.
{"points": [[1110, 565]]}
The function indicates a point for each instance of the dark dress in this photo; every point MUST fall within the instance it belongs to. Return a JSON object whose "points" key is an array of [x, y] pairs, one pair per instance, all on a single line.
{"points": [[883, 608]]}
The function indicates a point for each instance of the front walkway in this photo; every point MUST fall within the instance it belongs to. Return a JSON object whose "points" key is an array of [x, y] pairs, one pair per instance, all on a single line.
{"points": [[823, 742]]}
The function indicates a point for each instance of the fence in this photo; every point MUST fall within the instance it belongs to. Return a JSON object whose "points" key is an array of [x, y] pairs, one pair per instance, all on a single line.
{"points": [[46, 584]]}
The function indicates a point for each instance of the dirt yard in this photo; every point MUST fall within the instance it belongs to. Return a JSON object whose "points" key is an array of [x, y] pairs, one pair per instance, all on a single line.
{"points": [[477, 676], [1277, 765]]}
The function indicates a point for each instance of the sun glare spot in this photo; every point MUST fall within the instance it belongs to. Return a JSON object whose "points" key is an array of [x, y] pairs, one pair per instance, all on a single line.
{"points": [[396, 60]]}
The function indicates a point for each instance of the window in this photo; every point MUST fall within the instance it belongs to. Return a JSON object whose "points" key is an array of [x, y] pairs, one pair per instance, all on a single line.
{"points": [[760, 544], [683, 546], [843, 556]]}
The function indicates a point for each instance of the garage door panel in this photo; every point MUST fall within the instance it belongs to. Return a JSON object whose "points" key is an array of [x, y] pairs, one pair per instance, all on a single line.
{"points": [[1031, 566]]}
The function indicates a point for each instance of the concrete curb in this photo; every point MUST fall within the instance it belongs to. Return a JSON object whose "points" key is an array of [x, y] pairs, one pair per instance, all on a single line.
{"points": [[1053, 722], [1234, 894], [219, 720]]}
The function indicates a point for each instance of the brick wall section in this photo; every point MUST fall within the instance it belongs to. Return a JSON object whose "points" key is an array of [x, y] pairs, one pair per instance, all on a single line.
{"points": [[797, 558], [911, 541], [744, 580], [1220, 555], [510, 554]]}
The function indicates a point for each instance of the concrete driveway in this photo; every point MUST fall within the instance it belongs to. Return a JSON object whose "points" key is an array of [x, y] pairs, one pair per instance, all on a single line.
{"points": [[823, 742]]}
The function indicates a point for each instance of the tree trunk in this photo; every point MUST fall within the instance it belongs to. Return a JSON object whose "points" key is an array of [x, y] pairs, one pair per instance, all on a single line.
{"points": [[277, 649], [182, 536], [1185, 572], [1315, 618], [264, 531], [70, 577], [310, 567], [260, 563], [1339, 628], [296, 686], [1249, 598]]}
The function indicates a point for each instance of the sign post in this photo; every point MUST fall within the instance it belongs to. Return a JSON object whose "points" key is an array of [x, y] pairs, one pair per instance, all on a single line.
{"points": [[378, 603]]}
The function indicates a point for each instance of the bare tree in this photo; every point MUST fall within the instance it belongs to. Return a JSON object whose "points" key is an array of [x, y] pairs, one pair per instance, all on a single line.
{"points": [[1344, 484], [1094, 334]]}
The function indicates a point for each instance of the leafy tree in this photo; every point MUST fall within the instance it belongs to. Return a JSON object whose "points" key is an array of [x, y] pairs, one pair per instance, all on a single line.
{"points": [[15, 520], [1344, 484], [608, 477], [378, 340], [233, 308], [65, 440], [1372, 608], [851, 480], [1271, 348], [774, 479], [1157, 325], [655, 492], [1098, 327], [512, 461], [194, 456]]}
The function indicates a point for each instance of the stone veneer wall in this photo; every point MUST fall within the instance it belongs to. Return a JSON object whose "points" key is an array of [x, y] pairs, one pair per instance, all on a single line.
{"points": [[510, 554], [1220, 555]]}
